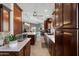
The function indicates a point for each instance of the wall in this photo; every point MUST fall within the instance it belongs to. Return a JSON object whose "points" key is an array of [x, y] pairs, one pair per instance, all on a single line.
{"points": [[12, 20]]}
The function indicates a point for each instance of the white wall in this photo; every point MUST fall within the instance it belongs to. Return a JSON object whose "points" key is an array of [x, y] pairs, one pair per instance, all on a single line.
{"points": [[12, 20]]}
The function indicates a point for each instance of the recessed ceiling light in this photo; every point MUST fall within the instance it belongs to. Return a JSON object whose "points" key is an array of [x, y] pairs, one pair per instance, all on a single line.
{"points": [[46, 10], [47, 15]]}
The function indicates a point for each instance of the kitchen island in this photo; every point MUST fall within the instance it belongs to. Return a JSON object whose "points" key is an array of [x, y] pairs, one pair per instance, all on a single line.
{"points": [[32, 35], [21, 49]]}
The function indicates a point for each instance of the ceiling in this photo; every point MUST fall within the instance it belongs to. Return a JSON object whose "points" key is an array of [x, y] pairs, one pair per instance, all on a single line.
{"points": [[44, 9]]}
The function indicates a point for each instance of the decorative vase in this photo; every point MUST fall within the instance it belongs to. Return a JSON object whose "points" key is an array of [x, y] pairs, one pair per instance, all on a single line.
{"points": [[13, 44]]}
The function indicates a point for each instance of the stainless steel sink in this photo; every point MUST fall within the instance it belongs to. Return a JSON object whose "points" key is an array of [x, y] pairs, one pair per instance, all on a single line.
{"points": [[20, 38]]}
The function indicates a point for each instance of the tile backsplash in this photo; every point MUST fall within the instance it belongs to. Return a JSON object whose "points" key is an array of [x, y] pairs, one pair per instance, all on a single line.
{"points": [[3, 34]]}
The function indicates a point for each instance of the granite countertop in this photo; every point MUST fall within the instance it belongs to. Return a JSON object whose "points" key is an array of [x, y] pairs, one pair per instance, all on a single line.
{"points": [[17, 48], [51, 37], [29, 33]]}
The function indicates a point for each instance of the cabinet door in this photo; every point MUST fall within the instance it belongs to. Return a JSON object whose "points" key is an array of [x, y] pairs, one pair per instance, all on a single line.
{"points": [[74, 42], [60, 15], [74, 15], [0, 19], [57, 15], [70, 42], [27, 49], [69, 15], [49, 47], [53, 51], [6, 20], [32, 39], [59, 42], [78, 43], [78, 30]]}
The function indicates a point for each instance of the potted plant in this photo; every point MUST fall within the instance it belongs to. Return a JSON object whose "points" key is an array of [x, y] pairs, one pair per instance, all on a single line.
{"points": [[12, 41]]}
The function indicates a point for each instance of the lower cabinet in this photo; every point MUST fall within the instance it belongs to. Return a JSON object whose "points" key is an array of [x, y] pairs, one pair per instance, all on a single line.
{"points": [[51, 48], [32, 39], [27, 49], [59, 42], [50, 45], [45, 39]]}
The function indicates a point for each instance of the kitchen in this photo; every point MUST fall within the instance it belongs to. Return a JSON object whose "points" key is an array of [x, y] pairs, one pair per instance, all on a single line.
{"points": [[39, 29]]}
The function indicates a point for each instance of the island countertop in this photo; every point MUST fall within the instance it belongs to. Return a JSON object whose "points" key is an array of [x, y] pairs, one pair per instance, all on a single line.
{"points": [[51, 37], [29, 33], [17, 48]]}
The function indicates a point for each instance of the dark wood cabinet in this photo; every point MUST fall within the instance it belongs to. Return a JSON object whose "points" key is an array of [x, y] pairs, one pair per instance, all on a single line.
{"points": [[32, 39], [45, 39], [58, 15], [66, 15], [17, 19], [70, 42], [28, 49], [51, 48], [58, 32], [78, 29], [70, 29], [66, 29], [59, 42], [78, 43], [69, 15], [25, 51], [67, 11], [4, 18], [50, 45], [47, 24]]}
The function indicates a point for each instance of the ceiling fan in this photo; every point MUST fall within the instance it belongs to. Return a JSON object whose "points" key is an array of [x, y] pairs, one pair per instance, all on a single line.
{"points": [[35, 14]]}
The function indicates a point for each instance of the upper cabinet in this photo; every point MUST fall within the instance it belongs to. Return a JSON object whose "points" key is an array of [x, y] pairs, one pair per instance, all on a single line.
{"points": [[69, 15], [48, 24], [4, 18], [66, 29], [58, 15], [17, 19], [65, 15]]}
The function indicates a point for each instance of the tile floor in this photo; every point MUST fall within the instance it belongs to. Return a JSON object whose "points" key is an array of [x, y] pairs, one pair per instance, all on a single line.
{"points": [[38, 50]]}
